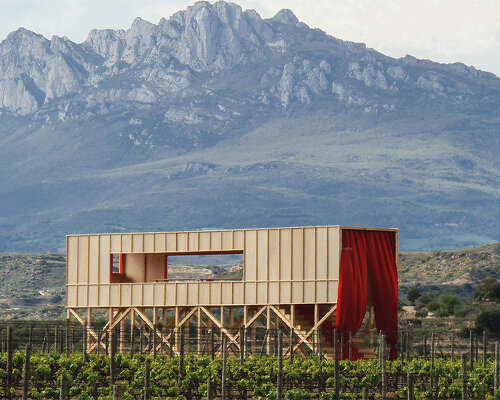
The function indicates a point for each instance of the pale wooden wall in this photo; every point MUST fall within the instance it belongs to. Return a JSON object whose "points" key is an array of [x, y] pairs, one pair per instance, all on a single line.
{"points": [[281, 266]]}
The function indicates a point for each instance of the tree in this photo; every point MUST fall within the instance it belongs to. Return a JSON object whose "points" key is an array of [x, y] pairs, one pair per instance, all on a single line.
{"points": [[433, 305], [448, 304], [413, 295], [489, 290], [489, 320]]}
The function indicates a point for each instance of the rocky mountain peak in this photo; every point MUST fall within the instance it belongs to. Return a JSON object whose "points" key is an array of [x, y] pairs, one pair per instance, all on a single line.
{"points": [[285, 16], [287, 61]]}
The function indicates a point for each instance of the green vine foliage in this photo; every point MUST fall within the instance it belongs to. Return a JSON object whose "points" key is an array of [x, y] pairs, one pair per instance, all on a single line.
{"points": [[256, 376]]}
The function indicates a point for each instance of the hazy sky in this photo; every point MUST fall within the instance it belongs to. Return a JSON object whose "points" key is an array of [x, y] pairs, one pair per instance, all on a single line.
{"points": [[441, 30]]}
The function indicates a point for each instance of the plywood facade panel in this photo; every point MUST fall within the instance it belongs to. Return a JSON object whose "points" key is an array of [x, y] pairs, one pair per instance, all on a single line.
{"points": [[297, 254], [281, 266], [72, 260], [262, 249], [94, 259], [194, 241], [250, 255], [149, 243], [333, 252], [126, 242], [116, 243], [83, 259], [137, 243], [309, 253], [285, 254], [321, 253], [104, 258], [160, 242]]}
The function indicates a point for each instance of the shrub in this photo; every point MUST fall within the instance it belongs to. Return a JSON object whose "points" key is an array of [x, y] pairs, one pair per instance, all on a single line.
{"points": [[426, 298], [421, 313], [489, 320], [413, 295], [489, 290], [433, 305], [448, 304]]}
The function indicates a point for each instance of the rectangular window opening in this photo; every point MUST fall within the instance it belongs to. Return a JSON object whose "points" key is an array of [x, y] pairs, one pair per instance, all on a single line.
{"points": [[206, 266], [164, 267]]}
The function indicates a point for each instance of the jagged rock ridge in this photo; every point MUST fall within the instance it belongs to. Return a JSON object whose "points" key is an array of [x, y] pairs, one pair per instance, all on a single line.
{"points": [[217, 117]]}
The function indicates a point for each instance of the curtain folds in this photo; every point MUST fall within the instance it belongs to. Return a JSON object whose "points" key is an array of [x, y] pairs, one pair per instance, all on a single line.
{"points": [[368, 255]]}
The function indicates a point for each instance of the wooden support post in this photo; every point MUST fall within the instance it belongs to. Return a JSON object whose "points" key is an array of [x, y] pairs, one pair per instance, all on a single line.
{"points": [[30, 338], [177, 321], [291, 346], [371, 322], [132, 332], [316, 316], [408, 349], [63, 393], [224, 367], [476, 348], [154, 341], [122, 336], [268, 327], [48, 339], [68, 327], [242, 344], [199, 336], [212, 343], [164, 319], [464, 377], [484, 349], [117, 392], [336, 360], [89, 329], [425, 347], [350, 346], [453, 347], [147, 379], [141, 339], [320, 344], [61, 341], [432, 350], [495, 379], [26, 372], [279, 383], [471, 350], [112, 357], [84, 340], [409, 378], [132, 340], [209, 388], [10, 350], [181, 355], [382, 368]]}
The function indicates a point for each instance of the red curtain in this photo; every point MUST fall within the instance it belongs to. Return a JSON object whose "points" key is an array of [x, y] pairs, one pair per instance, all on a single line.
{"points": [[382, 270], [368, 254], [351, 303]]}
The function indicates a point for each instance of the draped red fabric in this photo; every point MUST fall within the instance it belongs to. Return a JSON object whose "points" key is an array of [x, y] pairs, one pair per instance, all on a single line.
{"points": [[352, 299], [351, 303], [383, 274], [368, 254]]}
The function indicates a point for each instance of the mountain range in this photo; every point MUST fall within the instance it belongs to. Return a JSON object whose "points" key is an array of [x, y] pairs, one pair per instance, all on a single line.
{"points": [[218, 118]]}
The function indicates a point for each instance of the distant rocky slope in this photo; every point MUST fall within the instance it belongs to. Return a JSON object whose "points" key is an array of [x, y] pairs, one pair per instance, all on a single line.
{"points": [[32, 285], [216, 117]]}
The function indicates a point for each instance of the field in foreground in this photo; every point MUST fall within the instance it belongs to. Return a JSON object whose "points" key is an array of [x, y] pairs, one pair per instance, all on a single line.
{"points": [[252, 378]]}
